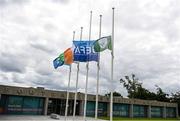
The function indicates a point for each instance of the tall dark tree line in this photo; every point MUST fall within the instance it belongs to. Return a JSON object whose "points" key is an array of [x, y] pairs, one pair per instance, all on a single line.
{"points": [[136, 90]]}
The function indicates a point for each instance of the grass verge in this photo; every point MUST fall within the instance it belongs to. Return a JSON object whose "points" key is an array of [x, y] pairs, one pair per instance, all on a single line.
{"points": [[140, 119]]}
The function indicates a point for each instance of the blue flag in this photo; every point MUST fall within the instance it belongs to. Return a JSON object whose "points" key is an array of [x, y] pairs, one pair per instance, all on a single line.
{"points": [[84, 51]]}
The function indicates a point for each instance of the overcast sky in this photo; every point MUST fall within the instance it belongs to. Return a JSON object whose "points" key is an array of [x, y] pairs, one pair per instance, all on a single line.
{"points": [[34, 32]]}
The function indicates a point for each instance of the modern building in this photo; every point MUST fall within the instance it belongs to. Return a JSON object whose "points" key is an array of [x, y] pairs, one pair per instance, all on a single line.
{"points": [[39, 101]]}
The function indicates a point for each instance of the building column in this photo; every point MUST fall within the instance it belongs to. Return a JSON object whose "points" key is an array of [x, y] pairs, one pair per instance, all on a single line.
{"points": [[131, 111], [46, 105], [177, 113], [81, 111], [149, 111], [164, 112]]}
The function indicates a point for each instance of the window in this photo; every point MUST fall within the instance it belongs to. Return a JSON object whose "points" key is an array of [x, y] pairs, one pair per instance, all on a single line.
{"points": [[120, 110], [156, 111], [170, 112], [139, 111]]}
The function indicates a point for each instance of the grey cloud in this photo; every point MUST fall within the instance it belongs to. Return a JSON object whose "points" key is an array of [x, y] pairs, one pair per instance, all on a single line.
{"points": [[4, 77], [147, 65], [48, 82], [134, 18], [44, 72], [61, 1], [36, 80], [16, 78], [50, 27], [11, 63], [44, 68], [9, 2], [41, 47]]}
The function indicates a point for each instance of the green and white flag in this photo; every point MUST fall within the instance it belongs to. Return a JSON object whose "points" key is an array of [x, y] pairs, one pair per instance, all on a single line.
{"points": [[102, 44]]}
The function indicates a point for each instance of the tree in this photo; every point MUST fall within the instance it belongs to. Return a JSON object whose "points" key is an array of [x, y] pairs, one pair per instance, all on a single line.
{"points": [[161, 96], [135, 90], [133, 87], [115, 94]]}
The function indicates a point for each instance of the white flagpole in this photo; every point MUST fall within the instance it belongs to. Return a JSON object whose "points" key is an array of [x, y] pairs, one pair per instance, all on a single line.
{"points": [[77, 79], [112, 65], [98, 68], [67, 97], [87, 73]]}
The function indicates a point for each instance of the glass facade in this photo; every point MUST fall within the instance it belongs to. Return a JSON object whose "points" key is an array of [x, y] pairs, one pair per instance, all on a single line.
{"points": [[121, 110], [102, 109], [14, 105], [139, 111], [157, 112], [26, 105], [21, 105], [170, 112], [33, 105]]}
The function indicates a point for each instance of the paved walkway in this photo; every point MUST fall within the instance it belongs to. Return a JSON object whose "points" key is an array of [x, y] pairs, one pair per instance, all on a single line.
{"points": [[41, 118]]}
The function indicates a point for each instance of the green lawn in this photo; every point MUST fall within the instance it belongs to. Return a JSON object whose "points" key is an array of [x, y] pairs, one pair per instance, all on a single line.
{"points": [[140, 119]]}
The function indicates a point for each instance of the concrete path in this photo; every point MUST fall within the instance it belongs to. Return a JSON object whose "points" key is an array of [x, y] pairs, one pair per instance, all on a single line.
{"points": [[41, 118]]}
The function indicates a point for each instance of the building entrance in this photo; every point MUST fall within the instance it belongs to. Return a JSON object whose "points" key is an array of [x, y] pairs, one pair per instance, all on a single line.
{"points": [[58, 106]]}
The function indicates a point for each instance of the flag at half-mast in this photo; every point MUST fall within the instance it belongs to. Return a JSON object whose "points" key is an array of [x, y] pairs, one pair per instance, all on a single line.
{"points": [[64, 58], [84, 51], [102, 44]]}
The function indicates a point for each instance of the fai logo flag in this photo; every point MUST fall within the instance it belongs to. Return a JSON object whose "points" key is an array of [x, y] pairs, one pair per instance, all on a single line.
{"points": [[84, 51], [102, 44]]}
